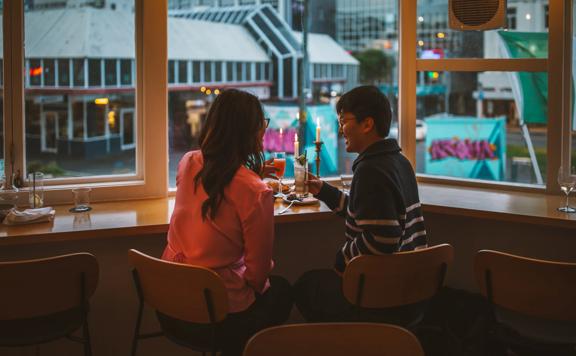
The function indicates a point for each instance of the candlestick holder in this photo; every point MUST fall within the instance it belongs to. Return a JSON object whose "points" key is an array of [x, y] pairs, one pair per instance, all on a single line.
{"points": [[318, 150]]}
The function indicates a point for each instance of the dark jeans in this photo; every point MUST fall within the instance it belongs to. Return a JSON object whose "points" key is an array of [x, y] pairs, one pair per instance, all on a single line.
{"points": [[319, 297], [271, 308]]}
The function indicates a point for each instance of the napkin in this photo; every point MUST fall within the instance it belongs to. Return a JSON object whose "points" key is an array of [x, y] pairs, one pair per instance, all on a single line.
{"points": [[29, 216]]}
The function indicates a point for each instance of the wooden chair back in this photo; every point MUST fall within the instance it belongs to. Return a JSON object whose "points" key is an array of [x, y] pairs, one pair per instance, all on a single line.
{"points": [[178, 290], [393, 280], [41, 287], [532, 287], [334, 339]]}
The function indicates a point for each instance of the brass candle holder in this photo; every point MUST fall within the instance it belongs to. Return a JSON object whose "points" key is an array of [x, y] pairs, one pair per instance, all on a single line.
{"points": [[318, 150]]}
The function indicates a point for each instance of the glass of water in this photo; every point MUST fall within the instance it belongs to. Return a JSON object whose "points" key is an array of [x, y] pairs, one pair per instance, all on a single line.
{"points": [[346, 180], [300, 178]]}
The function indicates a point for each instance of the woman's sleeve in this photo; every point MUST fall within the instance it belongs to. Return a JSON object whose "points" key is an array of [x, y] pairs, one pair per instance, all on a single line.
{"points": [[258, 232]]}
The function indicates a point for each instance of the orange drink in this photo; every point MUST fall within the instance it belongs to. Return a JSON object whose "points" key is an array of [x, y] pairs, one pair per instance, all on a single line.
{"points": [[280, 164]]}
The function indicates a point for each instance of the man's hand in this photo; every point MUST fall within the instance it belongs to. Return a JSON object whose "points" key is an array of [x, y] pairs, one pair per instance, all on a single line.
{"points": [[314, 184], [269, 171]]}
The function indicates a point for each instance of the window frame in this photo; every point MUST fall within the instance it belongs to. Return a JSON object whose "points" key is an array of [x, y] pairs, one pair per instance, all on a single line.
{"points": [[151, 108], [410, 65]]}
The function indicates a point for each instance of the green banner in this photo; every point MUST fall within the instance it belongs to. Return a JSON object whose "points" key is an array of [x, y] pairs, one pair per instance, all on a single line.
{"points": [[532, 99]]}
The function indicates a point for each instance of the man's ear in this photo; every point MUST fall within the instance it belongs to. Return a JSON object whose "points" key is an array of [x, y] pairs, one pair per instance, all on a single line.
{"points": [[367, 124]]}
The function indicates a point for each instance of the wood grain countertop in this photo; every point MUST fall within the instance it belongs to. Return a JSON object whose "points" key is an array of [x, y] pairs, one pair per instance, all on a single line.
{"points": [[152, 216]]}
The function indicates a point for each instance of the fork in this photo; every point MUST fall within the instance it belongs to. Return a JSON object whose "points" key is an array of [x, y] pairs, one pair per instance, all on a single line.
{"points": [[286, 208]]}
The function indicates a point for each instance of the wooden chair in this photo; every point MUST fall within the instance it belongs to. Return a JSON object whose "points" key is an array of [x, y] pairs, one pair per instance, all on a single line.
{"points": [[47, 299], [535, 298], [397, 280], [187, 293], [334, 339]]}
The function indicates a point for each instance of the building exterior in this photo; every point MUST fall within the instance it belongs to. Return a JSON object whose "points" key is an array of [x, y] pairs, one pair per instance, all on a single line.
{"points": [[81, 75]]}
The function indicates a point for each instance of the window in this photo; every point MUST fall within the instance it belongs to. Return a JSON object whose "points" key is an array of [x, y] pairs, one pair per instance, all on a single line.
{"points": [[64, 72], [111, 72], [207, 72], [80, 118], [476, 123], [171, 72], [71, 132], [511, 17], [182, 72]]}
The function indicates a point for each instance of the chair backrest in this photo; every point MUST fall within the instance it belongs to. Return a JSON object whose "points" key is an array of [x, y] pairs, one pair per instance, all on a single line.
{"points": [[334, 339], [537, 288], [179, 290], [45, 286], [396, 279]]}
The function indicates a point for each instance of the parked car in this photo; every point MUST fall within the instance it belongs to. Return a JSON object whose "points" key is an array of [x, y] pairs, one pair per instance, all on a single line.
{"points": [[421, 130]]}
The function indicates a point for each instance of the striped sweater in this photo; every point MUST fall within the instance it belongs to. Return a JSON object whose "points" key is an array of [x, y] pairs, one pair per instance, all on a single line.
{"points": [[383, 212]]}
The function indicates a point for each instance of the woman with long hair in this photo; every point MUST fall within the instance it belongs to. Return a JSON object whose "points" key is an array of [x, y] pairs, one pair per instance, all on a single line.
{"points": [[223, 217]]}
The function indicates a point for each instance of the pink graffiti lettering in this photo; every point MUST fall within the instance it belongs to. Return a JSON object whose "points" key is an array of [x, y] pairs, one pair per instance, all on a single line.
{"points": [[462, 149]]}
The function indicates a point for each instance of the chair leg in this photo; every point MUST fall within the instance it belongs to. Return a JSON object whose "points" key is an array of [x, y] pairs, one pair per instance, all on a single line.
{"points": [[87, 341]]}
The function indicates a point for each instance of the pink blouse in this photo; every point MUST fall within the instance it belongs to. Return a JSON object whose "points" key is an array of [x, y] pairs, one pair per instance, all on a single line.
{"points": [[237, 243]]}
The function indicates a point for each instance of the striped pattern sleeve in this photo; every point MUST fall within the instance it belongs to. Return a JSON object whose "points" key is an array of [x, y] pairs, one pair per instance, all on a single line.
{"points": [[334, 198], [374, 224]]}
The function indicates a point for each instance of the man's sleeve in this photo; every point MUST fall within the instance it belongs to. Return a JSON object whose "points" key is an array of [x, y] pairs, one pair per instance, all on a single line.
{"points": [[336, 199]]}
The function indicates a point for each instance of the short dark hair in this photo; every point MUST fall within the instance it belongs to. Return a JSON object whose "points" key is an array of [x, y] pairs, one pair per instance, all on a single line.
{"points": [[367, 101]]}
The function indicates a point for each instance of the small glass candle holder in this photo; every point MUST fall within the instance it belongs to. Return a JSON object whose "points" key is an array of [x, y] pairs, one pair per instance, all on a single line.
{"points": [[36, 189], [81, 200]]}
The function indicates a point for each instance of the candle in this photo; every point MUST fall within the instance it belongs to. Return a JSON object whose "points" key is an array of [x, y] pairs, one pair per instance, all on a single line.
{"points": [[296, 145], [281, 140], [317, 129]]}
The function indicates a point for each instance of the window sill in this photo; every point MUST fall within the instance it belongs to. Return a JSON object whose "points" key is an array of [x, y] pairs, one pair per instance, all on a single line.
{"points": [[152, 216]]}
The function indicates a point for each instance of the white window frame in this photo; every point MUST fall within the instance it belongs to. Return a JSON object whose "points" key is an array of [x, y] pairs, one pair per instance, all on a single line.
{"points": [[410, 65], [151, 177]]}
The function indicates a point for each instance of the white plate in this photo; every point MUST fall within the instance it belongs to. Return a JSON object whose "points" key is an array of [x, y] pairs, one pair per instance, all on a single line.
{"points": [[305, 201]]}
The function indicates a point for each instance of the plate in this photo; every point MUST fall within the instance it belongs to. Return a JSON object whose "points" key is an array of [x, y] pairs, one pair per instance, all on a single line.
{"points": [[305, 201]]}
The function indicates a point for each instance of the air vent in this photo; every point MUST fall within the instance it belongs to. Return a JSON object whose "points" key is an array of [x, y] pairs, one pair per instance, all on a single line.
{"points": [[477, 14]]}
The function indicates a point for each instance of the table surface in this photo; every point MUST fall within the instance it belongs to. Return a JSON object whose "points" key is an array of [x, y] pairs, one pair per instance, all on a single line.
{"points": [[152, 216]]}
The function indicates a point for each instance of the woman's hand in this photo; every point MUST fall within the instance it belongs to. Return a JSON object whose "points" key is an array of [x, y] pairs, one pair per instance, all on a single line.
{"points": [[314, 184], [269, 171]]}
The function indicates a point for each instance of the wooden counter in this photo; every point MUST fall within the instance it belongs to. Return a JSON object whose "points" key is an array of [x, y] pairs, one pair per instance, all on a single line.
{"points": [[127, 218], [146, 217]]}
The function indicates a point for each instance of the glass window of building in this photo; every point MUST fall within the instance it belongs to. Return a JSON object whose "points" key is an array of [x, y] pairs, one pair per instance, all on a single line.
{"points": [[126, 72], [111, 72], [78, 72], [49, 72], [218, 72], [511, 14], [196, 72], [229, 71], [207, 71], [171, 72], [182, 72], [248, 66], [73, 126], [94, 72], [64, 72]]}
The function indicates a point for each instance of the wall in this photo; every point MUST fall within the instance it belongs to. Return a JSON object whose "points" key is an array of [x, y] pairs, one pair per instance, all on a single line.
{"points": [[299, 247]]}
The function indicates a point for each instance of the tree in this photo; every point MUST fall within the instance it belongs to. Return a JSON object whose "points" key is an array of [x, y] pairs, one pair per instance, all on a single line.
{"points": [[375, 66]]}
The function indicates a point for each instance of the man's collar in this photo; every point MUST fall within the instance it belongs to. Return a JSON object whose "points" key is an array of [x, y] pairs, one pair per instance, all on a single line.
{"points": [[385, 146]]}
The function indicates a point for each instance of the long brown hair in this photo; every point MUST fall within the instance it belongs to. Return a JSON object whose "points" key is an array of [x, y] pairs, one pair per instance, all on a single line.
{"points": [[229, 139]]}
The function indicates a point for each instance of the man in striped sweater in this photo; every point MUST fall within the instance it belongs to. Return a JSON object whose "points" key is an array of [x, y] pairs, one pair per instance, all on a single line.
{"points": [[382, 213]]}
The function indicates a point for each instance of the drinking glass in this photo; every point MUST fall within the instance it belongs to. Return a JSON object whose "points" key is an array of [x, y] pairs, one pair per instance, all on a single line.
{"points": [[346, 180], [567, 182], [300, 178], [280, 164], [36, 189], [81, 200]]}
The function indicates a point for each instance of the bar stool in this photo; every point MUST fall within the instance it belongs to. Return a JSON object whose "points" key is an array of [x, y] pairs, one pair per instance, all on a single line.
{"points": [[47, 299], [335, 339], [396, 287], [533, 301], [179, 293]]}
